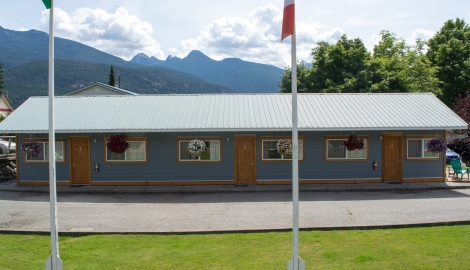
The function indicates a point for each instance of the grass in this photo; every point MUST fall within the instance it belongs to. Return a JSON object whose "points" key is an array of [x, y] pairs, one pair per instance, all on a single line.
{"points": [[442, 247]]}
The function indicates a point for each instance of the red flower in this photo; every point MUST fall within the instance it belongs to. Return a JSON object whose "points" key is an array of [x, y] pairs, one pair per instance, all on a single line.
{"points": [[117, 143], [353, 142]]}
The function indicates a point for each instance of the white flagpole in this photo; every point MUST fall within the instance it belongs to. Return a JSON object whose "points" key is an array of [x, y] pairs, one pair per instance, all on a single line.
{"points": [[53, 262], [296, 262], [295, 160]]}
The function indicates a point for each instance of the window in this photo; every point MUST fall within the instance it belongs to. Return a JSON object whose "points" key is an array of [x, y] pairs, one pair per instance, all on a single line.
{"points": [[269, 151], [212, 153], [336, 151], [416, 148], [44, 155], [136, 153]]}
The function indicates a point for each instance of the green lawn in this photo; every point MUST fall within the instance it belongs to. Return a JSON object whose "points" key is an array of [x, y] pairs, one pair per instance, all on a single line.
{"points": [[443, 247]]}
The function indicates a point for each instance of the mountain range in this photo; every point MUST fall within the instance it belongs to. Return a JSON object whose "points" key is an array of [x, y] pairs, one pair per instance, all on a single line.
{"points": [[25, 54], [239, 75]]}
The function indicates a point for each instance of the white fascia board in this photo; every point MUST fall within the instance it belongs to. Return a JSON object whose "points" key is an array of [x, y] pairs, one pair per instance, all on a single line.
{"points": [[238, 130]]}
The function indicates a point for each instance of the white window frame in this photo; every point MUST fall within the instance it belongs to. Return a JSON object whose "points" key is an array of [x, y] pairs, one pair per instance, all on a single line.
{"points": [[346, 157], [198, 159]]}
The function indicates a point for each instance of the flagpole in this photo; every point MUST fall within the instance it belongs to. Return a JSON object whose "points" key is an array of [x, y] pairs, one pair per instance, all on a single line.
{"points": [[288, 29], [295, 160], [53, 262]]}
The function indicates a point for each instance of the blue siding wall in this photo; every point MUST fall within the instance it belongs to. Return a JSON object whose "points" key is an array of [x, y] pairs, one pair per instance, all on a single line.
{"points": [[163, 164], [40, 172], [314, 166], [422, 168]]}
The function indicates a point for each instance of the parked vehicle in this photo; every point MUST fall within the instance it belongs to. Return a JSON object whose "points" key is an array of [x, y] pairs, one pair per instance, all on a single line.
{"points": [[451, 155]]}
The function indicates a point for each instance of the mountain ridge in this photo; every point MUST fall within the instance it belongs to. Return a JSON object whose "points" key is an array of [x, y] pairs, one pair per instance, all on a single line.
{"points": [[237, 74], [19, 49], [143, 80]]}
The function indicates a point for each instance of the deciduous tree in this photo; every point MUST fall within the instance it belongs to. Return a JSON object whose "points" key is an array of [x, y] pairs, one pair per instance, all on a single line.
{"points": [[336, 68], [397, 67], [449, 51]]}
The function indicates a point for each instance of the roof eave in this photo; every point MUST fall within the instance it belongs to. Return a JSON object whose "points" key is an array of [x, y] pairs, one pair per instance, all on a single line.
{"points": [[237, 129]]}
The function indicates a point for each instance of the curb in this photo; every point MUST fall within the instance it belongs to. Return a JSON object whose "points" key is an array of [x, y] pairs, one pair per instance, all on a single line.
{"points": [[12, 187], [348, 228]]}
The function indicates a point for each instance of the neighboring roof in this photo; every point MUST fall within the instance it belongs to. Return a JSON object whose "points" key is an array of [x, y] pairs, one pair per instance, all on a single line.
{"points": [[5, 105], [234, 112], [109, 87]]}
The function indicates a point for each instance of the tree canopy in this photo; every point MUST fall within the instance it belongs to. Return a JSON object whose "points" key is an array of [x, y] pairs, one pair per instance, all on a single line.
{"points": [[397, 67], [347, 67], [449, 52]]}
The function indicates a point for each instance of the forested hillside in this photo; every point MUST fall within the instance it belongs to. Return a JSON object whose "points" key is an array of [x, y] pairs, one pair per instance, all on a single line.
{"points": [[73, 75]]}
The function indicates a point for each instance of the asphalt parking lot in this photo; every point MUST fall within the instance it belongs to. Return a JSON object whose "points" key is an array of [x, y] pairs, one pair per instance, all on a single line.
{"points": [[193, 212]]}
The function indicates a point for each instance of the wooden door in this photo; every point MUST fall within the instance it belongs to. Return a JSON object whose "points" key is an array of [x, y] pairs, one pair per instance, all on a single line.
{"points": [[80, 161], [245, 159], [392, 157]]}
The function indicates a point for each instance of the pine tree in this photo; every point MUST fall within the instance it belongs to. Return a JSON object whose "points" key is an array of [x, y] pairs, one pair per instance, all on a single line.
{"points": [[112, 80]]}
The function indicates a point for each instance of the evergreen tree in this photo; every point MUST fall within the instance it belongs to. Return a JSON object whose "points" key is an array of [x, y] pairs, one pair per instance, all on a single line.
{"points": [[112, 80]]}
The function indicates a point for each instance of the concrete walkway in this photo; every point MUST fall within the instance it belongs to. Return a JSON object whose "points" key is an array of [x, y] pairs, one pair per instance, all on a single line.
{"points": [[12, 186]]}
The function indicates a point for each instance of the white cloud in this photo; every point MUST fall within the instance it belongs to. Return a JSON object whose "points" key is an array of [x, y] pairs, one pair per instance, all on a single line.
{"points": [[120, 34], [374, 40], [422, 34], [256, 39]]}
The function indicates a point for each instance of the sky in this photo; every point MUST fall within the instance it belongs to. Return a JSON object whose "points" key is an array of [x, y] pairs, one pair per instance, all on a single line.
{"points": [[246, 29]]}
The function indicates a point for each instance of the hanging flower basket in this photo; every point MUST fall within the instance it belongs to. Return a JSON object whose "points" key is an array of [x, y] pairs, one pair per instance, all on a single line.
{"points": [[196, 147], [354, 142], [284, 147], [436, 146], [117, 143], [31, 149]]}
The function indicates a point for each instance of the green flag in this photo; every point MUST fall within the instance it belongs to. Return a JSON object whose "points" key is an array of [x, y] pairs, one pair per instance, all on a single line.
{"points": [[47, 3]]}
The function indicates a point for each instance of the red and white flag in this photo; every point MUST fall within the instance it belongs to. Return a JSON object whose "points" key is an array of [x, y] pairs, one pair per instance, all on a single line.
{"points": [[288, 21]]}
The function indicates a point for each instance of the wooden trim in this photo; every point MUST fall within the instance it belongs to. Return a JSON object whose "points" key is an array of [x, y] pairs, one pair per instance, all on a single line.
{"points": [[42, 183], [319, 181], [179, 139], [105, 152], [428, 179], [17, 159], [163, 183], [407, 137], [276, 138], [227, 182], [444, 160], [44, 140], [345, 137]]}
